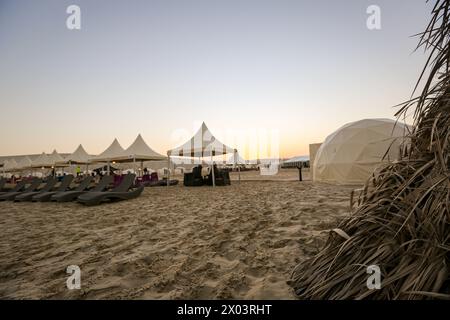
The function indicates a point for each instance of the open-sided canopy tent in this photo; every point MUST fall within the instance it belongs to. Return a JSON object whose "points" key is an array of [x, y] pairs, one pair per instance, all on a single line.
{"points": [[352, 153], [25, 163], [10, 165], [202, 144], [43, 161], [296, 162], [79, 156], [137, 151], [113, 151], [56, 159]]}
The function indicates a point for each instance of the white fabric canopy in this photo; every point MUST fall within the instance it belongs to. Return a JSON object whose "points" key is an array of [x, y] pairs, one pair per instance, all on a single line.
{"points": [[202, 144], [113, 151], [79, 156], [352, 153], [138, 151], [42, 161], [25, 163], [10, 165], [55, 158]]}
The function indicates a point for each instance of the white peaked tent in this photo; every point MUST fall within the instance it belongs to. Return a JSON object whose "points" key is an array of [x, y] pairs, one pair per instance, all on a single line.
{"points": [[10, 165], [202, 144], [139, 151], [79, 156], [25, 163], [352, 153], [113, 151], [55, 158], [43, 161]]}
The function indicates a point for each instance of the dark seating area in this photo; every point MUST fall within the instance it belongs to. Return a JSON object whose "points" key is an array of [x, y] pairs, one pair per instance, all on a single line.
{"points": [[194, 179]]}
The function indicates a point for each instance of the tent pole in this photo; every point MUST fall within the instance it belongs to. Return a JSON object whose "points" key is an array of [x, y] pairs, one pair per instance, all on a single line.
{"points": [[168, 168], [212, 169], [238, 166]]}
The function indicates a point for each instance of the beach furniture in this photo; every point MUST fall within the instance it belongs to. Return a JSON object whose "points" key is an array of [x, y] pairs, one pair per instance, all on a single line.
{"points": [[161, 183], [123, 191], [81, 189], [2, 183], [46, 195], [195, 178], [26, 196], [20, 188]]}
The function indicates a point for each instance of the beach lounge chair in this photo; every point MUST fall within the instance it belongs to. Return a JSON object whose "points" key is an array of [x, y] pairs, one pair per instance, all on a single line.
{"points": [[20, 188], [121, 192], [27, 196], [65, 184], [81, 189]]}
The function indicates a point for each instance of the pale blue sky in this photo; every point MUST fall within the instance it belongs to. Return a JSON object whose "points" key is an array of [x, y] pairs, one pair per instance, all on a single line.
{"points": [[151, 67]]}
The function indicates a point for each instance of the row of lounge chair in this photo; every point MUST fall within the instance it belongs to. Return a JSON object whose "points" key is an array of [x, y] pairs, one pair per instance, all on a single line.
{"points": [[30, 190]]}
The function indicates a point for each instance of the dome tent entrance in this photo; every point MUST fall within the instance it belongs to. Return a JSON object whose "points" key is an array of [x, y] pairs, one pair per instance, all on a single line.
{"points": [[202, 144], [352, 153]]}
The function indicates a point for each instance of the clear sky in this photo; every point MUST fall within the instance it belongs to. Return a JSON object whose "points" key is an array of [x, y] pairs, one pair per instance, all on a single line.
{"points": [[153, 67]]}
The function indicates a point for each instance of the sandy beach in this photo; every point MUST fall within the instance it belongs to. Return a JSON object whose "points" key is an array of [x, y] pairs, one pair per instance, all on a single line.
{"points": [[236, 242]]}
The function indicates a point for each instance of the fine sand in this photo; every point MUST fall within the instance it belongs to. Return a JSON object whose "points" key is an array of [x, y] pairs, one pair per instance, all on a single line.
{"points": [[236, 242]]}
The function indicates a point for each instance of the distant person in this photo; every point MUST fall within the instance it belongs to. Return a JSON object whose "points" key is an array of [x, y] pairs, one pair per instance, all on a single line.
{"points": [[78, 171]]}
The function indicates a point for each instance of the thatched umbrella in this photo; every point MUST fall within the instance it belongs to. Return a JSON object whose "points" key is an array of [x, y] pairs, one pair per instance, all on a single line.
{"points": [[402, 221]]}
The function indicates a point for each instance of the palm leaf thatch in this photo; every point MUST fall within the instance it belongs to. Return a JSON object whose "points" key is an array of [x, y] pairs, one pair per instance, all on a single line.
{"points": [[402, 220]]}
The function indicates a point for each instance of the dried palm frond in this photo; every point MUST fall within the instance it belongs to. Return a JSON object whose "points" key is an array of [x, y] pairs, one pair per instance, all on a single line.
{"points": [[402, 220]]}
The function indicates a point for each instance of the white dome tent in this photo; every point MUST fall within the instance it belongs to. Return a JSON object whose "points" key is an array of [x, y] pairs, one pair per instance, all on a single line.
{"points": [[352, 153]]}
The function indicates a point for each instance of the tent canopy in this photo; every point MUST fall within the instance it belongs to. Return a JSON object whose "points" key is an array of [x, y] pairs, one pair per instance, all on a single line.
{"points": [[138, 151], [25, 163], [55, 158], [79, 156], [42, 161], [353, 152], [297, 159], [202, 144], [10, 165], [47, 161], [113, 151]]}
